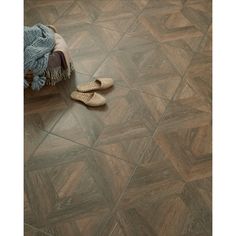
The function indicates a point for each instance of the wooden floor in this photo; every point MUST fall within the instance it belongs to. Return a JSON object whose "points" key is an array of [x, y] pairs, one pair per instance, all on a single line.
{"points": [[141, 165]]}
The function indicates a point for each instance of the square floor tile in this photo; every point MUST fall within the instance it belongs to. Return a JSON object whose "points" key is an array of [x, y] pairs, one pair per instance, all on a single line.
{"points": [[45, 12], [123, 126], [43, 107], [145, 68], [88, 44], [66, 182]]}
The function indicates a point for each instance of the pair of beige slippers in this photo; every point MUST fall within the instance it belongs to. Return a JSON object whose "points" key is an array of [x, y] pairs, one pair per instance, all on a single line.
{"points": [[86, 95]]}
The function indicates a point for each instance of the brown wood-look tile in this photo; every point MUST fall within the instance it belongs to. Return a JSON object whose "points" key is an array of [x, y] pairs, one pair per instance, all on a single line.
{"points": [[179, 53], [79, 12], [145, 68], [137, 35], [153, 181], [180, 17], [199, 76], [169, 216], [71, 189], [154, 21], [184, 135], [55, 151], [88, 225], [184, 138], [199, 73], [150, 202], [184, 91], [87, 38], [43, 108], [206, 44], [189, 150], [79, 124], [165, 4], [43, 11], [48, 98], [199, 13], [31, 231], [33, 136], [170, 23], [133, 6], [29, 215], [197, 196], [121, 128], [88, 44], [116, 21], [158, 202], [118, 15], [65, 182], [185, 113]]}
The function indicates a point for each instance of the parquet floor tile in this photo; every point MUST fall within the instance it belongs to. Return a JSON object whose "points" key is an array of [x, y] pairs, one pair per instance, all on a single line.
{"points": [[30, 231], [33, 136], [79, 12], [88, 44], [137, 35], [199, 73], [159, 201], [145, 68], [44, 108], [141, 164], [184, 135], [118, 14], [65, 182], [43, 11], [179, 154], [176, 218], [121, 128], [180, 17]]}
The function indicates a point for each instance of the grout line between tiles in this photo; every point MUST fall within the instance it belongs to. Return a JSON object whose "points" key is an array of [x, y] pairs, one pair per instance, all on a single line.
{"points": [[47, 132], [36, 229], [132, 88], [91, 148], [110, 234], [31, 155], [182, 79], [155, 130], [122, 36], [92, 75], [64, 12], [162, 116], [113, 211]]}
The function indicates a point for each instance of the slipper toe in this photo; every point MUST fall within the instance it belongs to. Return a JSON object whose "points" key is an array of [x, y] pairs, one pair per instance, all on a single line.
{"points": [[98, 84], [105, 82], [89, 99]]}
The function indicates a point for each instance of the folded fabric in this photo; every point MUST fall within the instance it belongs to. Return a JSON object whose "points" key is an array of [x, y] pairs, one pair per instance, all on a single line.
{"points": [[58, 70], [39, 41]]}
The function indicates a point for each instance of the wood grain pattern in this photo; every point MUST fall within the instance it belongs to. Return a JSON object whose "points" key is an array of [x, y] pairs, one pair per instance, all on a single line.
{"points": [[65, 181], [142, 164], [145, 68], [46, 12], [122, 128], [88, 43]]}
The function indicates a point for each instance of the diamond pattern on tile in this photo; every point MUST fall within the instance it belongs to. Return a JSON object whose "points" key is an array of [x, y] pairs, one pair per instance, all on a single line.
{"points": [[145, 68], [141, 164], [120, 128], [76, 183]]}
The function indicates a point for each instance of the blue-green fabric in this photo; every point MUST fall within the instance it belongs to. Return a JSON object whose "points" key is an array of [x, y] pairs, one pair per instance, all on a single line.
{"points": [[38, 44]]}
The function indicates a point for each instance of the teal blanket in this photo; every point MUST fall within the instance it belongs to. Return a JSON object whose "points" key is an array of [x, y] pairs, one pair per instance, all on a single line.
{"points": [[38, 44]]}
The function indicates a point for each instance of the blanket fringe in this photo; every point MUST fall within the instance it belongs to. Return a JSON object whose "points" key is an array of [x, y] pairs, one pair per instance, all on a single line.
{"points": [[54, 75]]}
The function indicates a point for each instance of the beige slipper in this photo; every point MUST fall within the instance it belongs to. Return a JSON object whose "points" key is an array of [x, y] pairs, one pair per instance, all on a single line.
{"points": [[89, 99], [98, 84]]}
